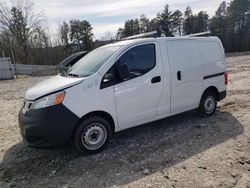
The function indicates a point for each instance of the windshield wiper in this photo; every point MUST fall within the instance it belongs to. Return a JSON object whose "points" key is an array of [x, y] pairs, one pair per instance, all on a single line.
{"points": [[73, 75]]}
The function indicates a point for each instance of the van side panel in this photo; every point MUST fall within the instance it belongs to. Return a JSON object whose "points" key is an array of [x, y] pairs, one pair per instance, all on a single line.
{"points": [[184, 56], [213, 59]]}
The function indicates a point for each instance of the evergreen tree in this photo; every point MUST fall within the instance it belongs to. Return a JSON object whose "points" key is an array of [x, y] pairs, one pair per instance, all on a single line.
{"points": [[86, 34], [81, 34], [136, 26], [131, 27], [200, 22], [238, 23], [75, 37], [218, 24], [144, 24], [165, 21], [177, 21], [154, 25], [119, 34], [188, 25]]}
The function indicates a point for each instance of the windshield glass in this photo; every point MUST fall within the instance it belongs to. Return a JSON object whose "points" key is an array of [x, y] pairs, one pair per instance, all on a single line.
{"points": [[91, 63]]}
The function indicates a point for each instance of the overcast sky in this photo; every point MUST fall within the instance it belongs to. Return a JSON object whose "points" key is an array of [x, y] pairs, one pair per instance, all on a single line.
{"points": [[109, 15]]}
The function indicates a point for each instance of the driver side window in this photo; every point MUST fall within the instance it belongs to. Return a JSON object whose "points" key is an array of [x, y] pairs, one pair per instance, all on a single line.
{"points": [[139, 60]]}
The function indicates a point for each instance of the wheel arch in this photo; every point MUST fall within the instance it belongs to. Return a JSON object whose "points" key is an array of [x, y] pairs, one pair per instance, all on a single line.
{"points": [[102, 114], [214, 90]]}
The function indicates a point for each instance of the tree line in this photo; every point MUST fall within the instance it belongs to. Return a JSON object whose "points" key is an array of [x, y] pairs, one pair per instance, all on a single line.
{"points": [[169, 23], [25, 36], [231, 23]]}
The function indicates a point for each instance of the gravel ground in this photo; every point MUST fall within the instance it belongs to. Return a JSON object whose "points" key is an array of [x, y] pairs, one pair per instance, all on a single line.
{"points": [[181, 151]]}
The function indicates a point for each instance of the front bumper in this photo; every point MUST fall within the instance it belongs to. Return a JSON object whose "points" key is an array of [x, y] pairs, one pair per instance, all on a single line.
{"points": [[47, 127]]}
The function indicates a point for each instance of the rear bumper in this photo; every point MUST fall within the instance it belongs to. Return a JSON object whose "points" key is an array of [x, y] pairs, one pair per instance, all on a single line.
{"points": [[47, 127], [222, 95]]}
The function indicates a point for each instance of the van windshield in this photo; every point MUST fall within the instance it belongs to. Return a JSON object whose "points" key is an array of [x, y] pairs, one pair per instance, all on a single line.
{"points": [[91, 63]]}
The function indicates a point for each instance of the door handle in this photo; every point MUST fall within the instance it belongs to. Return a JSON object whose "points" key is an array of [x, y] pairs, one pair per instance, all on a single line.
{"points": [[179, 75], [156, 79]]}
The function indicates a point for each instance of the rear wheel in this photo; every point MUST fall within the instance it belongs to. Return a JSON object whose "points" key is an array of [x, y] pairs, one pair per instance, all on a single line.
{"points": [[92, 135], [208, 104]]}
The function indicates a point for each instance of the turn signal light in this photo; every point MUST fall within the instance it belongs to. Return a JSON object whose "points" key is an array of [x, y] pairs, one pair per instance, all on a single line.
{"points": [[59, 98]]}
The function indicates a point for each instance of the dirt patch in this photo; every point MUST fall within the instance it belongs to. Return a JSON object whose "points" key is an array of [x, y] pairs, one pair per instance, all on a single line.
{"points": [[181, 151]]}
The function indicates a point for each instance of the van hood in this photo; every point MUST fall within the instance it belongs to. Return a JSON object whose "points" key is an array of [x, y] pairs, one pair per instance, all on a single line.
{"points": [[51, 85]]}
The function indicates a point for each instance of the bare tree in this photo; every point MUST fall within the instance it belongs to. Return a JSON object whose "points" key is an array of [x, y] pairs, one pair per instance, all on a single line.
{"points": [[108, 36], [19, 20], [64, 30]]}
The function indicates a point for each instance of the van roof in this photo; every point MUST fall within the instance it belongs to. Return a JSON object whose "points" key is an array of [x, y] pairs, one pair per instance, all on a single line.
{"points": [[126, 42]]}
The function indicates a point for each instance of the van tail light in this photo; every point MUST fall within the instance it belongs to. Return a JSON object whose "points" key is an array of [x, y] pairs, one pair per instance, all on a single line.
{"points": [[226, 78]]}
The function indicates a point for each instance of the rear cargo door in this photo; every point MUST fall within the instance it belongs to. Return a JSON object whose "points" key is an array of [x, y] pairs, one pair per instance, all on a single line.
{"points": [[186, 74]]}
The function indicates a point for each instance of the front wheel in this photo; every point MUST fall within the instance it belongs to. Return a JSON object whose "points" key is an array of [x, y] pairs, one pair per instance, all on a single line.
{"points": [[208, 104], [92, 135]]}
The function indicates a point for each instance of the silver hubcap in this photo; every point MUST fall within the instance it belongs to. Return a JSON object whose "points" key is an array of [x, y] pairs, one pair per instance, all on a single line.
{"points": [[209, 104], [94, 136]]}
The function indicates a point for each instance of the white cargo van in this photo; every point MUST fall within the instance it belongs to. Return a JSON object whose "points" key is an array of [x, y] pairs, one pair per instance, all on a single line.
{"points": [[123, 85]]}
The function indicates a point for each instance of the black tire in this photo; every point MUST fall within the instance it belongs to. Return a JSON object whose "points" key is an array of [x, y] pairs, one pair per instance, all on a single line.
{"points": [[83, 137], [205, 108]]}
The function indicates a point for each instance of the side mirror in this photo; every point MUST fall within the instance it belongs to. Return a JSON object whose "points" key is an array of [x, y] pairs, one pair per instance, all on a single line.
{"points": [[109, 77], [123, 71]]}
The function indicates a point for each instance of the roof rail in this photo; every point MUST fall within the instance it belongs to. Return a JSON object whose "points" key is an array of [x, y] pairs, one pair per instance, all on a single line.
{"points": [[152, 33], [198, 34], [156, 34]]}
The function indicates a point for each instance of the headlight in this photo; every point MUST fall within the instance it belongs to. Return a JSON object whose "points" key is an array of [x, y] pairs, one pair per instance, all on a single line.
{"points": [[50, 100]]}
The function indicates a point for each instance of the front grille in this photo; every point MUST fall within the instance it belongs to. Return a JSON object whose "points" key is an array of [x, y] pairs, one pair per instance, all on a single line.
{"points": [[33, 139]]}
